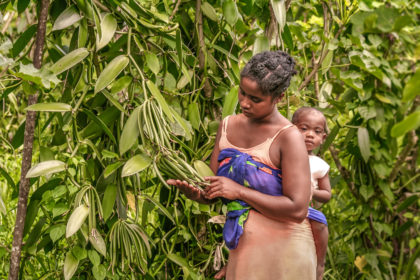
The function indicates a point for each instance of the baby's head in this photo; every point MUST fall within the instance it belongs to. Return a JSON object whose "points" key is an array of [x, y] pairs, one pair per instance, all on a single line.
{"points": [[312, 124], [272, 70]]}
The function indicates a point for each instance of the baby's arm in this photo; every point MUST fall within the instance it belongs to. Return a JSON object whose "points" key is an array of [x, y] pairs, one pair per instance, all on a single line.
{"points": [[323, 194]]}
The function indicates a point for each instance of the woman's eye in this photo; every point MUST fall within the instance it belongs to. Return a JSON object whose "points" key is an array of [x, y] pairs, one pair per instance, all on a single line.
{"points": [[255, 100]]}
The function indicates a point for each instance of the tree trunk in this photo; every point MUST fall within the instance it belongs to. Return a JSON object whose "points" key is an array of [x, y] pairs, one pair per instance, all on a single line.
{"points": [[27, 151]]}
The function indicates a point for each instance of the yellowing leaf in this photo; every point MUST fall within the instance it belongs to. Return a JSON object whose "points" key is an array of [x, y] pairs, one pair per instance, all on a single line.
{"points": [[360, 262], [76, 220], [46, 168]]}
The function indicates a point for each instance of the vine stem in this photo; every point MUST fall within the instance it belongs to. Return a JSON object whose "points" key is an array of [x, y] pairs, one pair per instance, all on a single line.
{"points": [[24, 185]]}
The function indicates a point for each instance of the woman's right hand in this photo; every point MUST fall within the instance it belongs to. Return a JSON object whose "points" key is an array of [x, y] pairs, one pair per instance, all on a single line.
{"points": [[189, 190]]}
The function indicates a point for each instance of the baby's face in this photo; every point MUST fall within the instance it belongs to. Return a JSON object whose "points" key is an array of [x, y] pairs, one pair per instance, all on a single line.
{"points": [[311, 124]]}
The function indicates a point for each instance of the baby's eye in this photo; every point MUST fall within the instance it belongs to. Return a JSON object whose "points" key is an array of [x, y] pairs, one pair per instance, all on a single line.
{"points": [[303, 128], [318, 131]]}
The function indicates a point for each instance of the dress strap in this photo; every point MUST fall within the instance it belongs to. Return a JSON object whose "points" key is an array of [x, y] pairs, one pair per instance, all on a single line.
{"points": [[281, 130], [225, 124]]}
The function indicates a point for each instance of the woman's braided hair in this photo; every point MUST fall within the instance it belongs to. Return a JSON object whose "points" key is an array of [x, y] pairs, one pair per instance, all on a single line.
{"points": [[272, 70]]}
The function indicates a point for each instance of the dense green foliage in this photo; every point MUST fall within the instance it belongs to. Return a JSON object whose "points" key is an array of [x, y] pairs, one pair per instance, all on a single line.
{"points": [[127, 85]]}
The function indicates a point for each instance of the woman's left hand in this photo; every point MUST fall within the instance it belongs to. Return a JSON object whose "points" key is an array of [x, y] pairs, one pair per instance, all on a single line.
{"points": [[222, 187]]}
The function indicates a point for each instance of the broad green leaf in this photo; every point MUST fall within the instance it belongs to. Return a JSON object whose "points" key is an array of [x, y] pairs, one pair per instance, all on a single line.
{"points": [[279, 9], [287, 37], [160, 99], [407, 203], [111, 71], [108, 28], [152, 62], [112, 168], [94, 258], [121, 84], [42, 77], [194, 115], [59, 209], [23, 40], [230, 11], [136, 164], [412, 88], [113, 100], [109, 200], [99, 272], [46, 168], [49, 107], [101, 123], [160, 207], [261, 44], [326, 63], [69, 60], [57, 232], [203, 169], [183, 123], [79, 253], [209, 11], [67, 18], [6, 176], [97, 241], [410, 122], [184, 80], [22, 5], [231, 100], [76, 220], [130, 132], [364, 142], [70, 266], [95, 128]]}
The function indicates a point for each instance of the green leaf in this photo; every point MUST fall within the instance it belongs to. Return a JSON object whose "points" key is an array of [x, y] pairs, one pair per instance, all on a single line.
{"points": [[407, 203], [136, 164], [69, 60], [130, 132], [194, 115], [8, 178], [99, 272], [330, 138], [287, 37], [57, 232], [23, 40], [101, 123], [231, 100], [412, 88], [261, 44], [42, 77], [326, 63], [94, 258], [46, 168], [179, 46], [109, 200], [120, 84], [159, 98], [160, 207], [113, 100], [111, 71], [111, 168], [410, 122], [49, 107], [183, 123], [67, 18], [76, 220], [22, 5], [279, 9], [108, 28], [70, 266], [59, 209], [79, 252], [3, 208], [230, 11], [202, 168], [97, 241], [209, 11], [152, 62], [364, 143]]}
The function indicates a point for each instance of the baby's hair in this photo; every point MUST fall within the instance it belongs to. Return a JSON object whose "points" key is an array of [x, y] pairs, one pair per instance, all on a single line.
{"points": [[302, 110], [272, 70]]}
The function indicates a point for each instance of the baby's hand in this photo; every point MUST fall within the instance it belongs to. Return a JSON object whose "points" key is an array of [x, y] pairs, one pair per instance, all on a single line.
{"points": [[222, 187]]}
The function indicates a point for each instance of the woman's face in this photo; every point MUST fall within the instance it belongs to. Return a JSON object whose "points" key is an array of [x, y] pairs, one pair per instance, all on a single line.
{"points": [[253, 103]]}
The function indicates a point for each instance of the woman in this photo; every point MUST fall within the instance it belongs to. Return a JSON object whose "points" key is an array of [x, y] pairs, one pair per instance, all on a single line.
{"points": [[263, 171]]}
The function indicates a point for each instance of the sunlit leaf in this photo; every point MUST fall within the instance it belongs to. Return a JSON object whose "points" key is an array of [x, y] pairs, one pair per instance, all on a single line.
{"points": [[130, 132], [136, 164], [49, 107], [108, 28], [77, 218], [410, 122], [70, 266], [230, 11], [364, 142], [46, 168], [152, 62], [412, 88], [67, 18], [231, 100], [111, 71], [69, 60]]}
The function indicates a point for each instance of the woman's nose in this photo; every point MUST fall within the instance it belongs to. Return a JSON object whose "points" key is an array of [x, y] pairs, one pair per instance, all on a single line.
{"points": [[244, 103]]}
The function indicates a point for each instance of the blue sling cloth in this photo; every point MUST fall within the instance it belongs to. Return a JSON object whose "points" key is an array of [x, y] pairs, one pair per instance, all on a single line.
{"points": [[244, 170]]}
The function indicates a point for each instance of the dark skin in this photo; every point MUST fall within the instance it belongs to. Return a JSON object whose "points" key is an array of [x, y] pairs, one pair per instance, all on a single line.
{"points": [[260, 120]]}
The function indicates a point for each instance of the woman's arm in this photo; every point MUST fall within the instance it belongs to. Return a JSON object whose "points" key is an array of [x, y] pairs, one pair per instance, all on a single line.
{"points": [[323, 194], [293, 204], [192, 192]]}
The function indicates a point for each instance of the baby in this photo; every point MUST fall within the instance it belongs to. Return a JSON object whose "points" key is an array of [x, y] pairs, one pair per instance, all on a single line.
{"points": [[312, 124]]}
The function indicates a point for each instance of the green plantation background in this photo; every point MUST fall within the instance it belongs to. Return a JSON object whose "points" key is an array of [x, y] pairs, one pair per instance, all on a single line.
{"points": [[97, 207]]}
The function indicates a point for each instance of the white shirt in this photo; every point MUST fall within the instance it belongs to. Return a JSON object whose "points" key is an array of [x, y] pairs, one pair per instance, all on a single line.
{"points": [[319, 168]]}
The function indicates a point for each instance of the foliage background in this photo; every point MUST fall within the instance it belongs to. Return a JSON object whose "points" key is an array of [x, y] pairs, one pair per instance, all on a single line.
{"points": [[356, 60]]}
